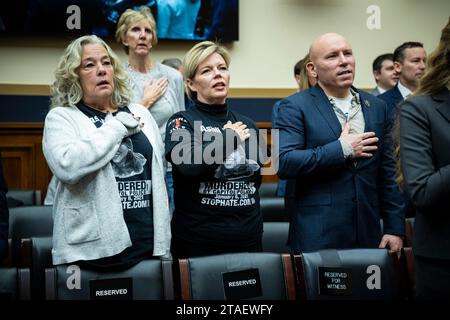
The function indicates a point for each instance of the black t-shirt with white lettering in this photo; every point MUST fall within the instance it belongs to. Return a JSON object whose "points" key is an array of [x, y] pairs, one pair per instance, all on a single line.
{"points": [[215, 189], [132, 168]]}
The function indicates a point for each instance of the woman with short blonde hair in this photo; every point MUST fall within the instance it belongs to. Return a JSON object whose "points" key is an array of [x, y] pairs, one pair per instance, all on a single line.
{"points": [[197, 55], [157, 87], [131, 16], [216, 196]]}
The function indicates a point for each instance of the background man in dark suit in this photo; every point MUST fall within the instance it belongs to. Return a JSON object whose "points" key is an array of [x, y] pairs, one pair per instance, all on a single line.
{"points": [[384, 73], [409, 64], [344, 179], [4, 214]]}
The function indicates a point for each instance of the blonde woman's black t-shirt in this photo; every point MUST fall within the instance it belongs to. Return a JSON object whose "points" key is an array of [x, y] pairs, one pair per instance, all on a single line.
{"points": [[132, 169], [213, 204]]}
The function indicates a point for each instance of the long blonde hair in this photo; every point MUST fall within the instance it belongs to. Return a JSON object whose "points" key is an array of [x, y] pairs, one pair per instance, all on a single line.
{"points": [[66, 90]]}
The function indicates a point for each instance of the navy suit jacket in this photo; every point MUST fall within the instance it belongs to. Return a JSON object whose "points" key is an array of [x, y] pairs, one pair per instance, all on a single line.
{"points": [[337, 204], [281, 186], [375, 92], [4, 215], [392, 97]]}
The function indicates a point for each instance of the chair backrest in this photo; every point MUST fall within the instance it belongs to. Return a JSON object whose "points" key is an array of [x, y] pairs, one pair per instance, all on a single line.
{"points": [[268, 190], [351, 274], [409, 231], [256, 275], [8, 277], [275, 237], [407, 258], [9, 286], [27, 197], [272, 206], [27, 222], [14, 282], [36, 255], [273, 210], [150, 280]]}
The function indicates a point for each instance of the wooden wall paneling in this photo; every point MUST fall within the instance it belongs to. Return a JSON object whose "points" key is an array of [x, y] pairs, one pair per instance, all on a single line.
{"points": [[18, 166], [268, 127], [24, 164]]}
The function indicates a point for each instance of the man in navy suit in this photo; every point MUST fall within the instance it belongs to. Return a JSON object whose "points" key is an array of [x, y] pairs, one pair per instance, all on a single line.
{"points": [[409, 63], [333, 143]]}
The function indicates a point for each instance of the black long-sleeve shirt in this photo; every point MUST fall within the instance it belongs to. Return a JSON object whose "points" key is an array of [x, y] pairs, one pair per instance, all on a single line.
{"points": [[216, 201]]}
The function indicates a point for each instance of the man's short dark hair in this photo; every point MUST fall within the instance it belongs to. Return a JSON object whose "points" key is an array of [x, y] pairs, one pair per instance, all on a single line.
{"points": [[298, 67], [399, 53], [172, 62], [378, 62]]}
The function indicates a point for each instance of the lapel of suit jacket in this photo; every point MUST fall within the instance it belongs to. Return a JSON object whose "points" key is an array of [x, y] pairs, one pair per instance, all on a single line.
{"points": [[366, 110], [324, 106], [443, 100], [397, 95]]}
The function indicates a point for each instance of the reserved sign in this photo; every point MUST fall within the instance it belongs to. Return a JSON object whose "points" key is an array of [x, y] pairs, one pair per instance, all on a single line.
{"points": [[243, 284], [111, 289], [335, 281]]}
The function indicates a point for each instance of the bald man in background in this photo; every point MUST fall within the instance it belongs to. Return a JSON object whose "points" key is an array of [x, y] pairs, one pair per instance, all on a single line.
{"points": [[334, 144]]}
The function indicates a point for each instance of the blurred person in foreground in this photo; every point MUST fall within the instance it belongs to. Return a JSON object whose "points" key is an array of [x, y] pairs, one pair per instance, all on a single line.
{"points": [[425, 163]]}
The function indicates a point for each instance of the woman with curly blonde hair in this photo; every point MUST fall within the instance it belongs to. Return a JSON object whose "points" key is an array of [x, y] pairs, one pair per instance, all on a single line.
{"points": [[110, 206], [67, 91]]}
